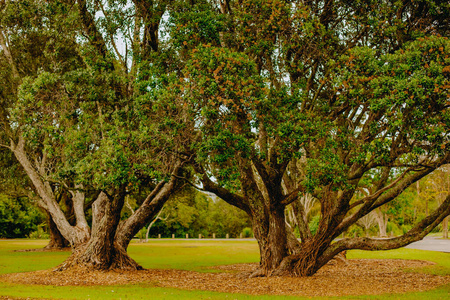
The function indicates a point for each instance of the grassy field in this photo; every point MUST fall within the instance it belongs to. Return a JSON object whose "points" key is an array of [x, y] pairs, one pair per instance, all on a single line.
{"points": [[185, 255]]}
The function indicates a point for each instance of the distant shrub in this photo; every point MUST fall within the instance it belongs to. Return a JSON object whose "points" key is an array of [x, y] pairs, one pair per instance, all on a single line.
{"points": [[393, 228], [39, 233], [437, 228], [355, 230], [141, 234], [247, 232], [18, 217], [405, 228]]}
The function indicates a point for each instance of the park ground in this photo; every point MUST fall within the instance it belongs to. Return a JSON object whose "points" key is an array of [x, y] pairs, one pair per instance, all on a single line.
{"points": [[189, 269]]}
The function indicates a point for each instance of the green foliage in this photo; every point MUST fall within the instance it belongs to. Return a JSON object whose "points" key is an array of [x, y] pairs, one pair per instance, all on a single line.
{"points": [[191, 25], [191, 212], [247, 232], [314, 224], [13, 181], [401, 86], [394, 229], [18, 217], [401, 210], [355, 231], [39, 233], [222, 87]]}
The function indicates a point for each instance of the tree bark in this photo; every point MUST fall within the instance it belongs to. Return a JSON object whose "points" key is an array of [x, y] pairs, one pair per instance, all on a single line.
{"points": [[269, 228], [445, 228], [109, 239], [57, 241], [382, 220], [102, 251], [74, 234]]}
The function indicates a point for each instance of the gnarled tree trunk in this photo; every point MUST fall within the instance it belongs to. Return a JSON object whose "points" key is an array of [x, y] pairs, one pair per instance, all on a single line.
{"points": [[109, 239], [269, 228], [104, 245], [57, 241], [102, 251]]}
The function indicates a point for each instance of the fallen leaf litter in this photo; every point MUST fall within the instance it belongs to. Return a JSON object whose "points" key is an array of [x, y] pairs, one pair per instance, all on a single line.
{"points": [[357, 277]]}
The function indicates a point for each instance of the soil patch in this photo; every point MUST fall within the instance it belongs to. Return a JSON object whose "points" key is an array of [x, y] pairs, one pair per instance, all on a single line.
{"points": [[357, 277]]}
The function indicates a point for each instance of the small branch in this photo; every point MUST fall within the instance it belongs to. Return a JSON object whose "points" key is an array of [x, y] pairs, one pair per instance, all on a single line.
{"points": [[300, 214], [316, 95], [5, 146], [292, 196], [112, 37], [153, 222], [309, 83], [379, 192], [190, 183], [7, 52], [100, 114]]}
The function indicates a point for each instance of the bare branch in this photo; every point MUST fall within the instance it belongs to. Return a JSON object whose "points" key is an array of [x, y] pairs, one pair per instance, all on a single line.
{"points": [[111, 37], [7, 52]]}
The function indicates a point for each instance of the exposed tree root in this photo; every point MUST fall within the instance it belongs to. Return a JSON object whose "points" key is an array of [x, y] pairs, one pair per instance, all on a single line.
{"points": [[259, 272], [119, 261], [340, 258], [291, 266]]}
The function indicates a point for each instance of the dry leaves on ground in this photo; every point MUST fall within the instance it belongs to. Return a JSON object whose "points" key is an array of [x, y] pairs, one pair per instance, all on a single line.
{"points": [[357, 277]]}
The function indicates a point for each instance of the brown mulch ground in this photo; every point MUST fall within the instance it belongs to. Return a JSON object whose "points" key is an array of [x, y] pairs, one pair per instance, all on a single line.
{"points": [[44, 250], [357, 277]]}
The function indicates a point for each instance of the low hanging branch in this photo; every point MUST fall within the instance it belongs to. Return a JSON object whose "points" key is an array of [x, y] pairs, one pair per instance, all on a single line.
{"points": [[417, 233]]}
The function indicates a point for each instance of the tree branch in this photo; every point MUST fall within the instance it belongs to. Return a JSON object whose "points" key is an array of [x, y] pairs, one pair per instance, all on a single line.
{"points": [[148, 209], [417, 233], [111, 37], [7, 52], [92, 32], [374, 196], [388, 196]]}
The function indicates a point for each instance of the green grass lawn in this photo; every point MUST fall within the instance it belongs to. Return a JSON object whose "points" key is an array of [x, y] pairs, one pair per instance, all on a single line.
{"points": [[185, 255]]}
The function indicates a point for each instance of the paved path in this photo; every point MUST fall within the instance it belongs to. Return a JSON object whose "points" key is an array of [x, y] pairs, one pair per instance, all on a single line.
{"points": [[432, 244]]}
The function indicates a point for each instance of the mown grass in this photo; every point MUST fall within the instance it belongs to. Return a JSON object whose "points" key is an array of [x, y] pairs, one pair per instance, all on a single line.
{"points": [[193, 255], [13, 262], [185, 255]]}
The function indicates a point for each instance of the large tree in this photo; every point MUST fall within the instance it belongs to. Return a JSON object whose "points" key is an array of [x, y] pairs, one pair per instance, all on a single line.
{"points": [[295, 98], [86, 120]]}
